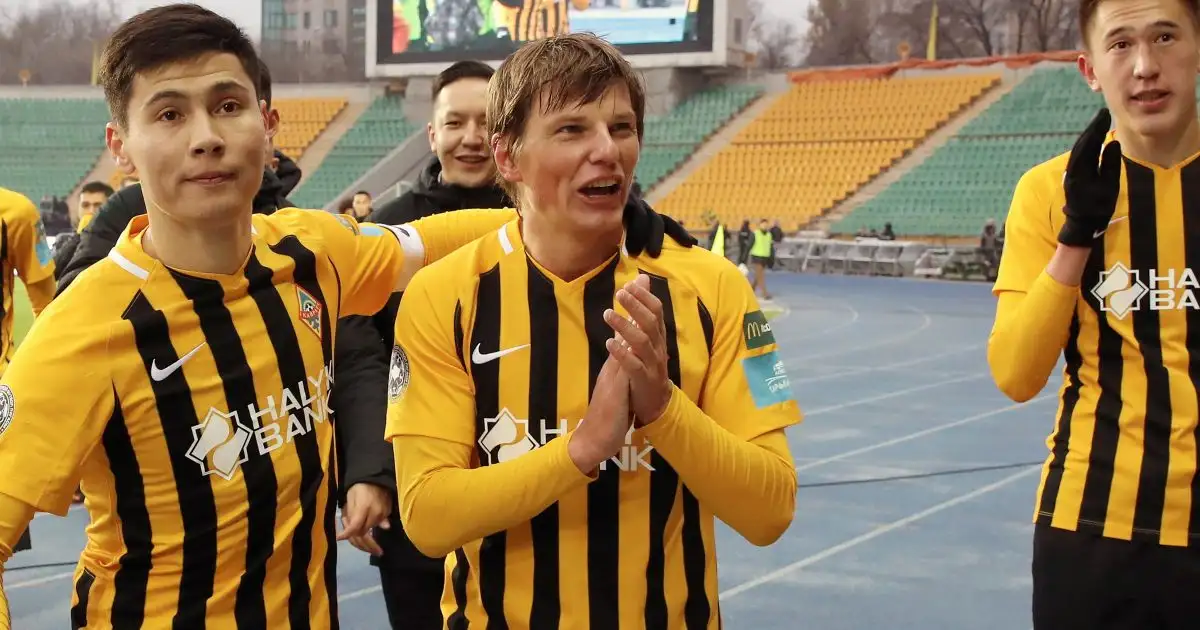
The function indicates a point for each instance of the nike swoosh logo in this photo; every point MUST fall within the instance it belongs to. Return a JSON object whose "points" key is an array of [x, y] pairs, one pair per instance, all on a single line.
{"points": [[479, 358], [158, 374], [1099, 233]]}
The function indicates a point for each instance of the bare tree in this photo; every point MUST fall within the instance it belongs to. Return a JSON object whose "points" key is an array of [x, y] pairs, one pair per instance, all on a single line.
{"points": [[976, 24], [1045, 25], [841, 31], [55, 42], [776, 42]]}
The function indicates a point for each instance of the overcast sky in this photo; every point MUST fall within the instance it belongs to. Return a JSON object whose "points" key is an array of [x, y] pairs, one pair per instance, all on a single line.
{"points": [[248, 13]]}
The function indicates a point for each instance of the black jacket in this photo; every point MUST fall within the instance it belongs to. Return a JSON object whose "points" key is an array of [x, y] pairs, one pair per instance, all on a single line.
{"points": [[359, 394], [428, 197]]}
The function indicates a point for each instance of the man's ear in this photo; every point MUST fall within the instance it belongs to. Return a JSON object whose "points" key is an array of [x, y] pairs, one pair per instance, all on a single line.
{"points": [[1089, 72], [115, 141], [506, 159]]}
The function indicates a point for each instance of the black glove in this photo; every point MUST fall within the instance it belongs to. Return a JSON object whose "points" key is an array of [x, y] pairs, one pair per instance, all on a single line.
{"points": [[1092, 184], [645, 229]]}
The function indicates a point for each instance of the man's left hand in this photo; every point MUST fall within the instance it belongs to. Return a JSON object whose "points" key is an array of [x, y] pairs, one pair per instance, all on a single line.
{"points": [[641, 347], [367, 506]]}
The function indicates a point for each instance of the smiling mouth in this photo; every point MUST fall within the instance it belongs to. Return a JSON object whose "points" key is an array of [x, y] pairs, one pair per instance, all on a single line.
{"points": [[1150, 96], [472, 159], [601, 189]]}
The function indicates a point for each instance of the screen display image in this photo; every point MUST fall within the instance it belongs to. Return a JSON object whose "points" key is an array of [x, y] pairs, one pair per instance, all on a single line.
{"points": [[438, 30]]}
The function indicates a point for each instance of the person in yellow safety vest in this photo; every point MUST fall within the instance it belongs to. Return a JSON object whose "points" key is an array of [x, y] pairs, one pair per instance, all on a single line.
{"points": [[718, 241], [760, 256]]}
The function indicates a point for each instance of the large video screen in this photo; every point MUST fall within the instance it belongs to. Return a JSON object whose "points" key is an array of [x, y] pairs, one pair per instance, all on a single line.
{"points": [[424, 31]]}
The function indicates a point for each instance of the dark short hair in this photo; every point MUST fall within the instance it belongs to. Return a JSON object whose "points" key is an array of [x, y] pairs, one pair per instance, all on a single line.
{"points": [[264, 83], [461, 70], [553, 73], [362, 192], [96, 187], [1088, 8], [163, 35]]}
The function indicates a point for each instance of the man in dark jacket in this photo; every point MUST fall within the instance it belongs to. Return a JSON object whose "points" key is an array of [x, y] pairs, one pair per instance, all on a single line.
{"points": [[359, 399], [461, 175]]}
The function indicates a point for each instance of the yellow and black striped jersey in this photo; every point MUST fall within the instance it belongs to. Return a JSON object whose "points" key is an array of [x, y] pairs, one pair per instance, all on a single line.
{"points": [[1123, 452], [24, 252], [497, 356], [533, 19], [194, 410]]}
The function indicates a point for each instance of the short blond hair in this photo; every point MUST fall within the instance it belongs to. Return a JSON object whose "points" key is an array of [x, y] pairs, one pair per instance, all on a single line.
{"points": [[556, 72]]}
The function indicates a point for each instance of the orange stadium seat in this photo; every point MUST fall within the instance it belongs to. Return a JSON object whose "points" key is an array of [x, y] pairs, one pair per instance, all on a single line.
{"points": [[817, 144]]}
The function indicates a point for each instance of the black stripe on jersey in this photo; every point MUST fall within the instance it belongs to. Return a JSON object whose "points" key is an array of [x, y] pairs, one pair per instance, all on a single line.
{"points": [[237, 379], [458, 335], [664, 487], [197, 508], [486, 377], [462, 568], [706, 323], [1062, 436], [697, 609], [282, 330], [1190, 179], [5, 278], [458, 583], [83, 592], [129, 604], [546, 611], [1098, 485], [1143, 254], [604, 494]]}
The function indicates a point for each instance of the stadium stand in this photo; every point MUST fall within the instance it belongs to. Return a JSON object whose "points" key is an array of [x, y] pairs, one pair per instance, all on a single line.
{"points": [[302, 120], [381, 128], [819, 143], [971, 178], [47, 146], [671, 138]]}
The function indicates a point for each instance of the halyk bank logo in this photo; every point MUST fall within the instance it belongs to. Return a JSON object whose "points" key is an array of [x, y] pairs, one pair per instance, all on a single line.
{"points": [[1122, 290]]}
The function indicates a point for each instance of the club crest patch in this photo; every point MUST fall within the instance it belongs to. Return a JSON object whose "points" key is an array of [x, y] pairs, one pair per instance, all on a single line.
{"points": [[398, 374], [41, 246], [310, 311], [348, 223], [8, 405]]}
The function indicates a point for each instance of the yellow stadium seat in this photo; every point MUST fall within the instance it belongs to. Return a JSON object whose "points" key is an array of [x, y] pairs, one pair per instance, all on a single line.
{"points": [[301, 120], [818, 144]]}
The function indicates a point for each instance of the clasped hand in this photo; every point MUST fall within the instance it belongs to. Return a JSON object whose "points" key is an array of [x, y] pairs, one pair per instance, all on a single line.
{"points": [[633, 388]]}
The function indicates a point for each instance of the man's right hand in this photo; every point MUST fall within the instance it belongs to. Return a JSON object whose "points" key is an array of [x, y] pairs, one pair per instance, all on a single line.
{"points": [[602, 432], [1092, 184]]}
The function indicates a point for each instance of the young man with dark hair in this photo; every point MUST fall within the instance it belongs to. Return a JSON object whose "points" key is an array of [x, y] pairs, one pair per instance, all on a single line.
{"points": [[573, 477], [461, 174], [1102, 248], [360, 205], [185, 379], [91, 197]]}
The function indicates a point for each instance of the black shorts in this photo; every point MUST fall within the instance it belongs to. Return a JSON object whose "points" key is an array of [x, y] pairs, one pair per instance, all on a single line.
{"points": [[761, 260], [1082, 581]]}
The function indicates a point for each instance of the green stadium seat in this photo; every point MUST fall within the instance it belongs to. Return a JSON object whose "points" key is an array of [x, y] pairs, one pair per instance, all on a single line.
{"points": [[380, 129], [971, 178], [47, 146]]}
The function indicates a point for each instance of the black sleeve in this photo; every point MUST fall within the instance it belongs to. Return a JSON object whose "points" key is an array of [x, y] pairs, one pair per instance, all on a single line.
{"points": [[403, 209], [102, 232], [64, 249], [359, 401]]}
